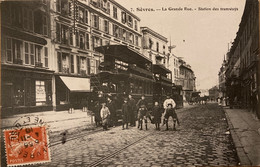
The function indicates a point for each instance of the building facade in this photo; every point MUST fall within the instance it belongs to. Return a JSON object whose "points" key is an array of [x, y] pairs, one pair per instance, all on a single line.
{"points": [[242, 69], [187, 80], [154, 47], [80, 26], [222, 79], [26, 57], [174, 66]]}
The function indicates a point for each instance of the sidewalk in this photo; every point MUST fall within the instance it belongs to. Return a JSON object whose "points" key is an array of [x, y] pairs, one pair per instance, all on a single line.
{"points": [[58, 121], [245, 131]]}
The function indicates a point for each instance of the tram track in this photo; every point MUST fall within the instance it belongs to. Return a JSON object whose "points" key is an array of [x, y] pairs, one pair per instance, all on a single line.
{"points": [[99, 161]]}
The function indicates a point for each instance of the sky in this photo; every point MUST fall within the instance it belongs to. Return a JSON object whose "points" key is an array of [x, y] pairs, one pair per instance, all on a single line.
{"points": [[201, 36]]}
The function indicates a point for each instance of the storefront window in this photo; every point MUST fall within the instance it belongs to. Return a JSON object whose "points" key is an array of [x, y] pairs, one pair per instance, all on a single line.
{"points": [[40, 93]]}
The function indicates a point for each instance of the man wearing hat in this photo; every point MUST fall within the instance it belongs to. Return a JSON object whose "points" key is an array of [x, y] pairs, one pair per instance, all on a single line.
{"points": [[125, 114], [132, 110]]}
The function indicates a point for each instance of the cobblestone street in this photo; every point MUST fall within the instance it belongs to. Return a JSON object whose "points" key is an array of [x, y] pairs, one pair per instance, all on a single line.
{"points": [[201, 140]]}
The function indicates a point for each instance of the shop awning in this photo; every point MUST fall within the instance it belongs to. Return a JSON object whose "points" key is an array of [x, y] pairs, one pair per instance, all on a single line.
{"points": [[75, 84]]}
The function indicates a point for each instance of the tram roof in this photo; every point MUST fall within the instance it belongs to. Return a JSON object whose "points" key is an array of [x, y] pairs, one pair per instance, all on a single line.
{"points": [[123, 53]]}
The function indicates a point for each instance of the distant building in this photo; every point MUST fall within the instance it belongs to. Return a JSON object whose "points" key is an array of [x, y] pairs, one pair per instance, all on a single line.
{"points": [[174, 66], [213, 93], [187, 79], [222, 79], [154, 47]]}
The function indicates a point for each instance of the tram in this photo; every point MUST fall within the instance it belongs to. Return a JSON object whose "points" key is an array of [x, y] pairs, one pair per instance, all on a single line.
{"points": [[125, 71]]}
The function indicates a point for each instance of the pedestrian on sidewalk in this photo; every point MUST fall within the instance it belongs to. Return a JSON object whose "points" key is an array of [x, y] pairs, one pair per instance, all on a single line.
{"points": [[105, 113], [125, 114], [132, 110], [97, 109], [84, 105], [157, 114], [112, 109], [170, 112]]}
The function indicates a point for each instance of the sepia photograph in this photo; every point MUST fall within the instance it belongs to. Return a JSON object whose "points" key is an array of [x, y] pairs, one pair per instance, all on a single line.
{"points": [[130, 83]]}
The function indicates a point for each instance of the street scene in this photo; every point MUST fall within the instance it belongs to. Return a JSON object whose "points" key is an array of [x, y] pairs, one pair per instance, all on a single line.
{"points": [[140, 83]]}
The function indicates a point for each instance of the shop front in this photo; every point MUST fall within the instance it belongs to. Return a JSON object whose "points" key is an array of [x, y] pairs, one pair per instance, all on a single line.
{"points": [[26, 91], [72, 92]]}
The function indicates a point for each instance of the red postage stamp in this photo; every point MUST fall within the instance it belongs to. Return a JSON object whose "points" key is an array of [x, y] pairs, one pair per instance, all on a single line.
{"points": [[27, 145]]}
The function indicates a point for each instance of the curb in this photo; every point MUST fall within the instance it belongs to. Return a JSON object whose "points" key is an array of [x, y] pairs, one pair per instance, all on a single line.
{"points": [[242, 155]]}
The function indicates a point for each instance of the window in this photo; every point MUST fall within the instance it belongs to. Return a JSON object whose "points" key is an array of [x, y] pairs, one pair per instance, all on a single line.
{"points": [[78, 64], [72, 63], [26, 52], [58, 32], [124, 34], [46, 56], [64, 34], [45, 25], [71, 36], [62, 6], [38, 57], [88, 66], [136, 41], [129, 21], [87, 41], [77, 38], [40, 93], [108, 7], [82, 40], [32, 53], [114, 12], [106, 26], [59, 62], [16, 51], [136, 25], [96, 21], [157, 46], [81, 15], [123, 17], [86, 17], [97, 65], [115, 30], [9, 49], [64, 62]]}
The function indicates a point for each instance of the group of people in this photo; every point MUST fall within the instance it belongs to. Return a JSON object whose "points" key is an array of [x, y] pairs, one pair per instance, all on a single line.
{"points": [[106, 114]]}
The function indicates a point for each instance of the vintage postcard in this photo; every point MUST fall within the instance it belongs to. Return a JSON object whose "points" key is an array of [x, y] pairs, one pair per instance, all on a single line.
{"points": [[130, 83]]}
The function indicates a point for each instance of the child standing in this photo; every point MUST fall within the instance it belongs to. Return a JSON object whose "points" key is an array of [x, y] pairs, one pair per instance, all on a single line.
{"points": [[142, 116], [157, 114], [104, 112], [170, 111]]}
